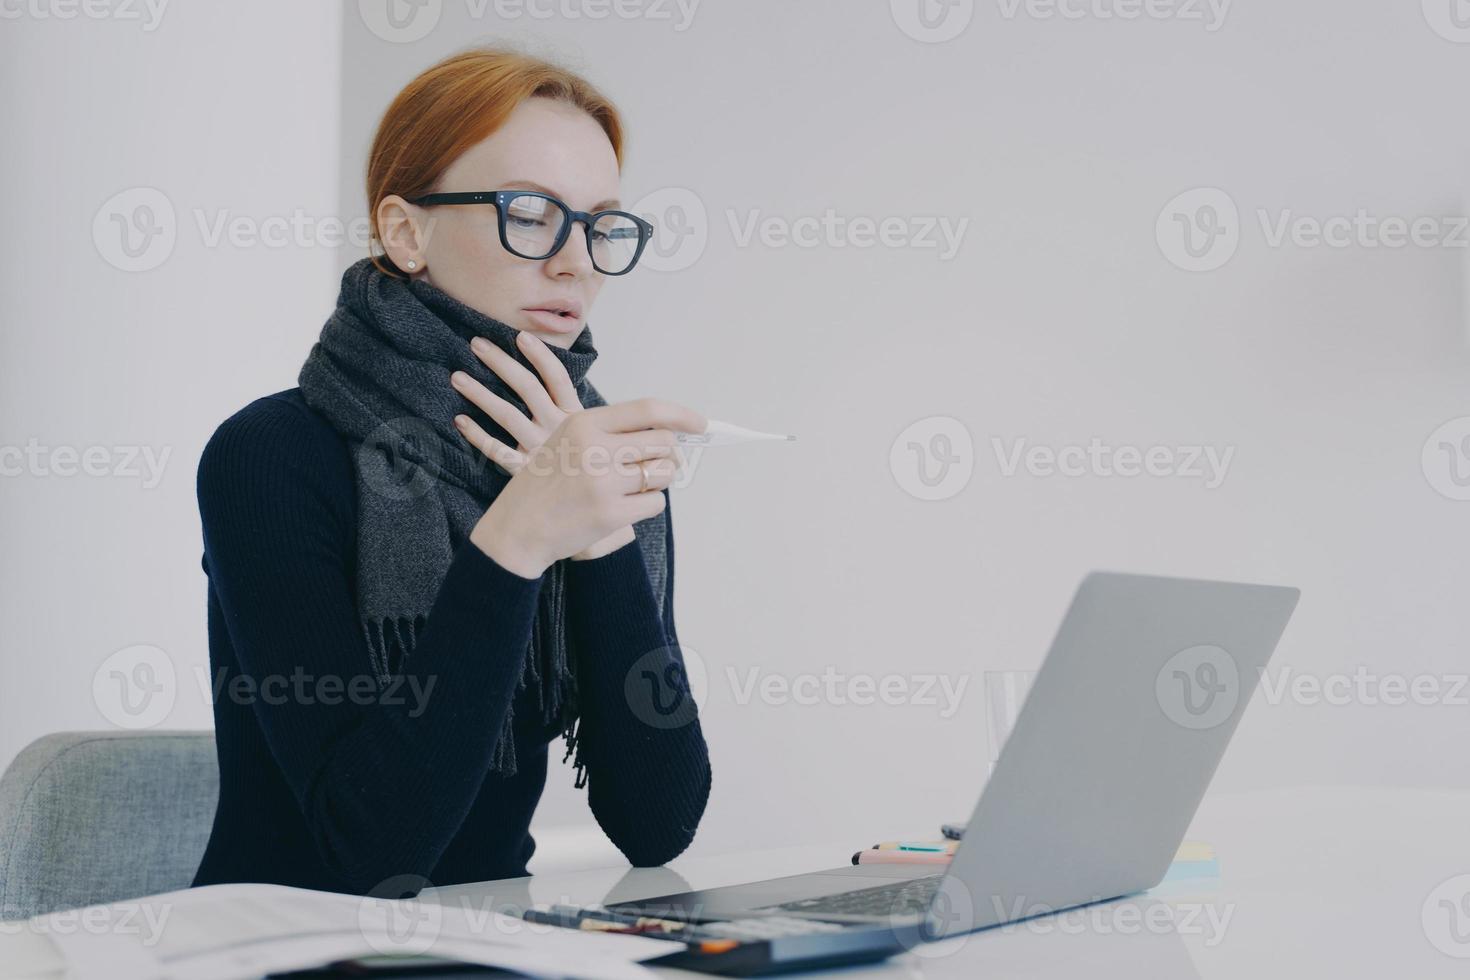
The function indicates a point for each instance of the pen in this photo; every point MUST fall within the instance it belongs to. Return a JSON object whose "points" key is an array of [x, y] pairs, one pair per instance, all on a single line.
{"points": [[719, 433], [602, 920], [574, 917]]}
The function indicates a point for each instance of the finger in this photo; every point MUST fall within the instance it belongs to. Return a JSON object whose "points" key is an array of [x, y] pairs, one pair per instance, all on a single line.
{"points": [[643, 444], [642, 506], [523, 382], [511, 419], [660, 474], [649, 413], [492, 448], [553, 372]]}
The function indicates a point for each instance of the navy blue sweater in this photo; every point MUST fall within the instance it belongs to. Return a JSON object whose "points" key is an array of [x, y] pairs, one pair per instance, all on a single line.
{"points": [[328, 781]]}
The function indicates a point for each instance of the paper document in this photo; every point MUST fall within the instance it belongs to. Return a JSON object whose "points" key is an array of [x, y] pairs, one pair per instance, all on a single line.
{"points": [[242, 932]]}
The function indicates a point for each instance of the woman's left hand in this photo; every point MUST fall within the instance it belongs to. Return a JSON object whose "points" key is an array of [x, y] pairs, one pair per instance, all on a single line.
{"points": [[550, 404]]}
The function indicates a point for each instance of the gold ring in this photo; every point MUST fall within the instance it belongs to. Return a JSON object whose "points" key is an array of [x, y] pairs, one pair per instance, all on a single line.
{"points": [[643, 487]]}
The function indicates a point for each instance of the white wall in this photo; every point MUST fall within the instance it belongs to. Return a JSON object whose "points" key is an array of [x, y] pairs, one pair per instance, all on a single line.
{"points": [[220, 108], [1059, 319]]}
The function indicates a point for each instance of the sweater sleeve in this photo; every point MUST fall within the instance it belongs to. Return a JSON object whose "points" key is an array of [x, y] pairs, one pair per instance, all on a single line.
{"points": [[360, 767], [648, 771]]}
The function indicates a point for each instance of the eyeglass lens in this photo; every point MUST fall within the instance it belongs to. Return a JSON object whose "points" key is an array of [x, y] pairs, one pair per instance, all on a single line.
{"points": [[533, 225]]}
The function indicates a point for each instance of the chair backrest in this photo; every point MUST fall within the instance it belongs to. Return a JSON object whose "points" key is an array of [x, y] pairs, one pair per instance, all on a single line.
{"points": [[91, 817]]}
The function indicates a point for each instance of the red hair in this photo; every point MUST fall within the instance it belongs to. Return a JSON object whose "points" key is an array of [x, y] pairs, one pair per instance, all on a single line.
{"points": [[454, 105]]}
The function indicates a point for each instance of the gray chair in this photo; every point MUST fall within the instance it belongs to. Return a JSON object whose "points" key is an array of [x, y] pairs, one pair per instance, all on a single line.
{"points": [[89, 817]]}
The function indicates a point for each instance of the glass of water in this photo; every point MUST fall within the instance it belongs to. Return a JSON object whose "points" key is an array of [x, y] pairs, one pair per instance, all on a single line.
{"points": [[1005, 692]]}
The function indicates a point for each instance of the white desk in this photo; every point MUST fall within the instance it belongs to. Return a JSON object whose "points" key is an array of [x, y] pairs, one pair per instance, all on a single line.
{"points": [[1329, 882]]}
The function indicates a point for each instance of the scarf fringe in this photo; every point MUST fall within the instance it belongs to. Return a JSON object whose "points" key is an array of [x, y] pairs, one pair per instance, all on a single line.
{"points": [[391, 641]]}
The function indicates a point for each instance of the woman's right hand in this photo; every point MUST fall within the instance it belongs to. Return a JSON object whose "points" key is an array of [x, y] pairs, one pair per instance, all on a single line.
{"points": [[582, 483]]}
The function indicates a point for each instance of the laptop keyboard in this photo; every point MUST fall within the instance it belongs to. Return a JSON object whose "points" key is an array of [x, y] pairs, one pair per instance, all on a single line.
{"points": [[906, 897]]}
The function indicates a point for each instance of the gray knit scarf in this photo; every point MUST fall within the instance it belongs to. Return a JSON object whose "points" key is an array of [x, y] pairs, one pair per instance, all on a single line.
{"points": [[380, 375]]}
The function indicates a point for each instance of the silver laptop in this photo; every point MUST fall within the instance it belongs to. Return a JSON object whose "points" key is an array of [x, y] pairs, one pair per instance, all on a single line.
{"points": [[1093, 792]]}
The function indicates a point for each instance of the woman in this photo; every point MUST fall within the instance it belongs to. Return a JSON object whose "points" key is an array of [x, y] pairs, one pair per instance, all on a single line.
{"points": [[444, 549]]}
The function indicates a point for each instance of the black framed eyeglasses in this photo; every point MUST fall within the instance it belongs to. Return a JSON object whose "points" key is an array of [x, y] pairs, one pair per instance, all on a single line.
{"points": [[536, 226]]}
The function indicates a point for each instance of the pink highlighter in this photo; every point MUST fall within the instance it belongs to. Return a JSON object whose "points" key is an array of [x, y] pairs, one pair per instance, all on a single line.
{"points": [[899, 857]]}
